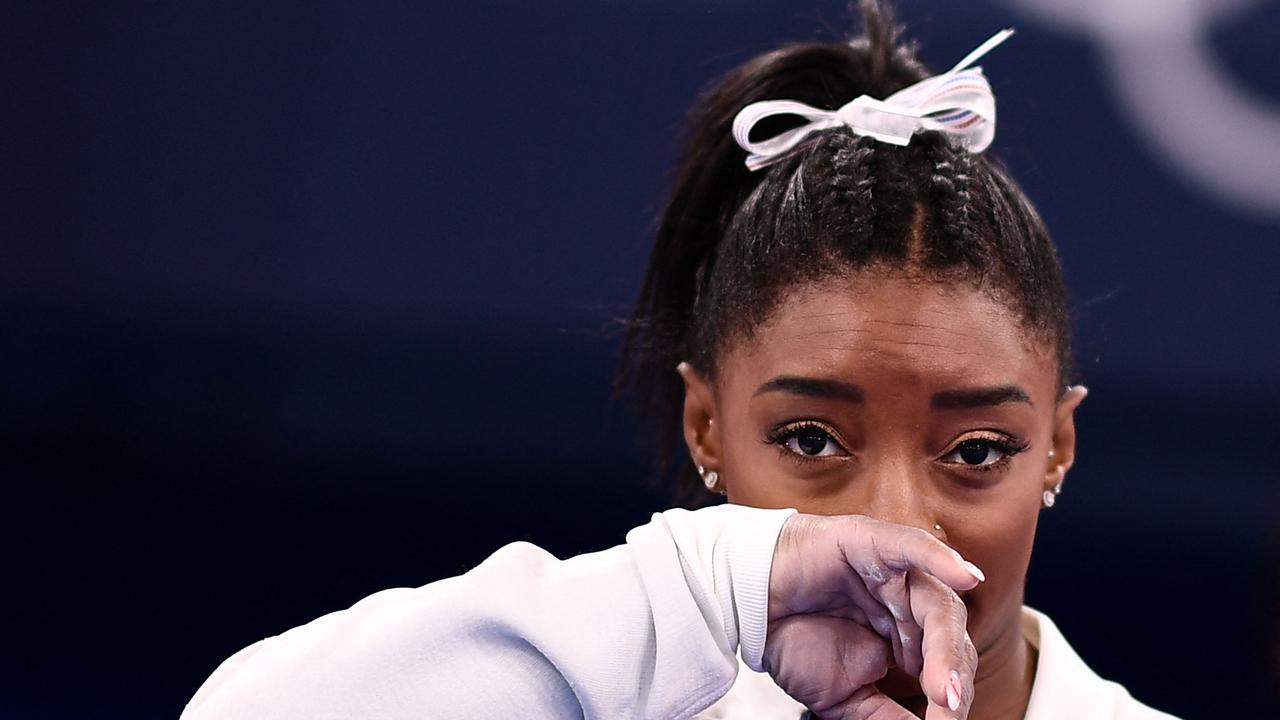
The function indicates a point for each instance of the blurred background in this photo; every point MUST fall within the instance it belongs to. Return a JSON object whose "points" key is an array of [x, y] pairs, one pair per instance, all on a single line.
{"points": [[299, 301]]}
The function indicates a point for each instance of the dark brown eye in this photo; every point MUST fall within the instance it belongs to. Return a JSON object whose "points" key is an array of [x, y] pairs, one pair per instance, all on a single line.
{"points": [[812, 441], [809, 440], [974, 452], [983, 452]]}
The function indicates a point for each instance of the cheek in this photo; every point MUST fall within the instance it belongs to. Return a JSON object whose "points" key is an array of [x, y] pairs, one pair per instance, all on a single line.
{"points": [[760, 474], [998, 536], [755, 471]]}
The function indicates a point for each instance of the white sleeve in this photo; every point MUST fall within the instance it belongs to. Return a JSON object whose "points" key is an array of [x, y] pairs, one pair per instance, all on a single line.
{"points": [[648, 629]]}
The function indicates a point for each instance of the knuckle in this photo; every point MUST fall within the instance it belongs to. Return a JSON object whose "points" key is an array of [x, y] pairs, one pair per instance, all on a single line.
{"points": [[969, 652], [867, 521], [914, 536], [873, 576], [948, 607]]}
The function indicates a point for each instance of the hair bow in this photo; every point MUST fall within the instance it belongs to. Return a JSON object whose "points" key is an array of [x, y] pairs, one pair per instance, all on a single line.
{"points": [[958, 102]]}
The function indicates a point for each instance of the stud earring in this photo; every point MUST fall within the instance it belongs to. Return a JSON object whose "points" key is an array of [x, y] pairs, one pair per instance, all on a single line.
{"points": [[710, 479], [1051, 496], [937, 527]]}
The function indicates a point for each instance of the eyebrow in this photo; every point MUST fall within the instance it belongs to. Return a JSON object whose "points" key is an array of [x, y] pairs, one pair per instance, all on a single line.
{"points": [[969, 398], [813, 387]]}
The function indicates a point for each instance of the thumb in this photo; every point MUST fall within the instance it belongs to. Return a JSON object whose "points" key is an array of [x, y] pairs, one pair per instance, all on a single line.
{"points": [[867, 703], [829, 664]]}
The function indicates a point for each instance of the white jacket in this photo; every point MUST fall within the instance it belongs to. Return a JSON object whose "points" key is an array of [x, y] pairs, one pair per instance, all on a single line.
{"points": [[649, 629]]}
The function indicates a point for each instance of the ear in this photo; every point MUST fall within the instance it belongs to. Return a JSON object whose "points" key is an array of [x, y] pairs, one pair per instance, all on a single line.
{"points": [[1063, 449], [701, 433]]}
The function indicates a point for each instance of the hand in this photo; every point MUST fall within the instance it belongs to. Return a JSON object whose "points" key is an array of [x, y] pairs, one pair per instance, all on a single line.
{"points": [[849, 597]]}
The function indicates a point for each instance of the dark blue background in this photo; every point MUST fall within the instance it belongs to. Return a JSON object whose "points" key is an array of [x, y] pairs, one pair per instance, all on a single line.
{"points": [[301, 301]]}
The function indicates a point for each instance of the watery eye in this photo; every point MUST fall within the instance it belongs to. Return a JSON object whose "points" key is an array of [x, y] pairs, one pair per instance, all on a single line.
{"points": [[812, 442]]}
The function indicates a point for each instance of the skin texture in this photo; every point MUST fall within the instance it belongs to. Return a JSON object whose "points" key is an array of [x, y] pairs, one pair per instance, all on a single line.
{"points": [[890, 447], [838, 587]]}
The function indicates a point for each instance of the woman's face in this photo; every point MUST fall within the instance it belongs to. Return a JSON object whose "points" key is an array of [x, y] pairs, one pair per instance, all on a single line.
{"points": [[905, 400]]}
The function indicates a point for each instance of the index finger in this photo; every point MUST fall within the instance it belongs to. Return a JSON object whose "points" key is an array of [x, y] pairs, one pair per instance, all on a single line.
{"points": [[950, 660], [898, 549]]}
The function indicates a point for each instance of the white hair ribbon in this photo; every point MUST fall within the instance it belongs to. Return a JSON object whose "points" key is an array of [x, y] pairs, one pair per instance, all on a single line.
{"points": [[958, 102]]}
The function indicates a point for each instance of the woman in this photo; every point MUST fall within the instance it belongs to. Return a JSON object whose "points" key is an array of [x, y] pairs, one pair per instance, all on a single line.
{"points": [[873, 334]]}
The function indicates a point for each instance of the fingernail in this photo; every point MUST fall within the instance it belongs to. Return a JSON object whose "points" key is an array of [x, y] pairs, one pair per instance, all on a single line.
{"points": [[974, 571], [953, 691]]}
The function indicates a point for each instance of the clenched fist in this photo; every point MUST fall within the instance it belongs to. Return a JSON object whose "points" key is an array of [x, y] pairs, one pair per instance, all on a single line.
{"points": [[850, 597]]}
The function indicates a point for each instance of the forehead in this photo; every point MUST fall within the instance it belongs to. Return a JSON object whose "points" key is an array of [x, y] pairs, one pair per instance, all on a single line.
{"points": [[874, 328]]}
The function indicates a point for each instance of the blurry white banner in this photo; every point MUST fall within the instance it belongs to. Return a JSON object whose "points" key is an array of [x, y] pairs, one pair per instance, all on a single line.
{"points": [[1158, 60]]}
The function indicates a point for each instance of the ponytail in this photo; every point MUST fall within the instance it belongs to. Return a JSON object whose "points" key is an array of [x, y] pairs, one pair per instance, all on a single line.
{"points": [[729, 240]]}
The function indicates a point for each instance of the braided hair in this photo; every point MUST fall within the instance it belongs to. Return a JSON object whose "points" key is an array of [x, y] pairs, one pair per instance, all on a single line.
{"points": [[731, 242]]}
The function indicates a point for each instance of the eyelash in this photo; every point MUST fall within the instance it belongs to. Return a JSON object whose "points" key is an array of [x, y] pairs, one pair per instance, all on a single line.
{"points": [[1006, 445], [779, 436]]}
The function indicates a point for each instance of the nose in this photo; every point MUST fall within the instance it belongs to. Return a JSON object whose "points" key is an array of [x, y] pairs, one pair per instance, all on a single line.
{"points": [[895, 489]]}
